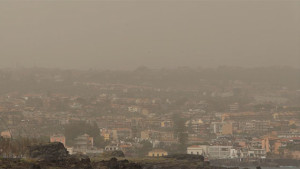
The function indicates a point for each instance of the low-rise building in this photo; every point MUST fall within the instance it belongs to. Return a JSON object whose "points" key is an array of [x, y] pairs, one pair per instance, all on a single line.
{"points": [[214, 152], [219, 152], [197, 149], [157, 153], [83, 143], [145, 135], [292, 154], [257, 153], [58, 138], [70, 150], [112, 148], [6, 134]]}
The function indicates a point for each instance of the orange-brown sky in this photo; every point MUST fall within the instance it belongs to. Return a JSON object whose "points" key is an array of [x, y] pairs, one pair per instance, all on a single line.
{"points": [[126, 34]]}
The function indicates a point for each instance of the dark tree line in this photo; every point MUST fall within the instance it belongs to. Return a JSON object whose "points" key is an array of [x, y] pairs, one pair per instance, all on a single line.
{"points": [[77, 128]]}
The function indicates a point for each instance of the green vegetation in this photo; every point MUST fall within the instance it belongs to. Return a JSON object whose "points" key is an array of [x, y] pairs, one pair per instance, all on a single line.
{"points": [[77, 128]]}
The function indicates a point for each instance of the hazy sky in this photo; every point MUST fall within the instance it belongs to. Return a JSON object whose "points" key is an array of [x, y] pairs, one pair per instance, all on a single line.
{"points": [[126, 34]]}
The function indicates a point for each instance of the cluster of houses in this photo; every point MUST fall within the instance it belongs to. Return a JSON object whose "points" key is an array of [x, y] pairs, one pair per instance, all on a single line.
{"points": [[256, 148], [229, 138], [222, 119]]}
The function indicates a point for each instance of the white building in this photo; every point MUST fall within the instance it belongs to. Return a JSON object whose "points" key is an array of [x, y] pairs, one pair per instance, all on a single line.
{"points": [[233, 153], [219, 152], [197, 149], [257, 153], [112, 148], [134, 109], [213, 152], [216, 127], [70, 150]]}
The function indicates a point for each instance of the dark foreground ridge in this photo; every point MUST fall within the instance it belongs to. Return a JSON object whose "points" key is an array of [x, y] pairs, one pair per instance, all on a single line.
{"points": [[49, 152], [83, 162], [55, 156]]}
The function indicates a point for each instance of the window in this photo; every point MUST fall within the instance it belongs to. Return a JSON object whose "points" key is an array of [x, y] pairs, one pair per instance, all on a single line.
{"points": [[224, 149]]}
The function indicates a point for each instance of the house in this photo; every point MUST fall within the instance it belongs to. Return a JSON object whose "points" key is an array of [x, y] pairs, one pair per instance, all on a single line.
{"points": [[224, 128], [121, 133], [227, 129], [196, 125], [83, 143], [6, 134], [134, 109], [166, 124], [256, 143], [271, 144], [244, 116], [70, 150], [157, 153], [145, 112], [285, 115], [195, 138], [94, 152], [165, 135], [216, 127], [112, 148], [105, 134], [287, 134], [257, 153], [293, 154], [58, 138], [126, 147], [145, 135], [233, 153], [197, 149]]}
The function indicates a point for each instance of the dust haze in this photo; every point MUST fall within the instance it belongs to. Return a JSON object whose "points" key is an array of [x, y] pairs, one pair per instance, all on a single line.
{"points": [[150, 84], [127, 34]]}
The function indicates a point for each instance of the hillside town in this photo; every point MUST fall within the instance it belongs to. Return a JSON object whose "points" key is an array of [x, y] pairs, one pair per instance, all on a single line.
{"points": [[144, 113]]}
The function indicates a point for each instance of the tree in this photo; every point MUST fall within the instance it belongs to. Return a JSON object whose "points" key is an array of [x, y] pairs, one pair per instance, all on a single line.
{"points": [[18, 146], [179, 125], [183, 138], [34, 102], [190, 127], [146, 147], [77, 128], [99, 141], [293, 126], [180, 132]]}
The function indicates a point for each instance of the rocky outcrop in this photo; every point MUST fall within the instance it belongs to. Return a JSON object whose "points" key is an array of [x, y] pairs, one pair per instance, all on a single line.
{"points": [[114, 163], [35, 166], [48, 152], [185, 157], [77, 161], [83, 162], [108, 154], [54, 155]]}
